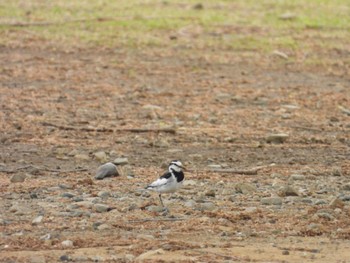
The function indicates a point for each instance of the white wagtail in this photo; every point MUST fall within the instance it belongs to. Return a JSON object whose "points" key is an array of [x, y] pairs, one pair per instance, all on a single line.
{"points": [[170, 181]]}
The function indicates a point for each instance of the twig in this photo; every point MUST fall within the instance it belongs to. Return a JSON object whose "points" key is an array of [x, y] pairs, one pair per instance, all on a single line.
{"points": [[306, 128], [252, 171], [88, 129], [156, 220]]}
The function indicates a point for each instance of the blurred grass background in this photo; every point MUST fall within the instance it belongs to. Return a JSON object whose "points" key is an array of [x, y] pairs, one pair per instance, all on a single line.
{"points": [[243, 25]]}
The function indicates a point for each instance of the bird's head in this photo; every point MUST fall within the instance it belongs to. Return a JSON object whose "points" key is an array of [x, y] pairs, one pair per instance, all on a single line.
{"points": [[176, 166]]}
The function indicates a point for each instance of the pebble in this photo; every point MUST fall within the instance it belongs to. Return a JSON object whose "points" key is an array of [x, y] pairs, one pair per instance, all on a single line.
{"points": [[245, 188], [106, 170], [288, 191], [121, 161], [154, 208], [189, 183], [271, 201], [190, 203], [103, 194], [67, 195], [101, 208], [324, 215], [320, 202], [208, 206], [67, 243], [65, 258], [297, 177], [210, 193], [285, 252], [336, 203], [346, 187], [18, 178], [37, 220], [252, 209], [101, 156], [104, 227], [82, 157], [277, 138]]}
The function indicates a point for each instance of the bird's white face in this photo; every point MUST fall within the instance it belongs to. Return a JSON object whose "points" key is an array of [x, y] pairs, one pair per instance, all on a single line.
{"points": [[176, 166]]}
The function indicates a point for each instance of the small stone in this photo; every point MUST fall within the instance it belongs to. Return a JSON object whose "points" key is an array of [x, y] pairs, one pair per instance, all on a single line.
{"points": [[154, 208], [325, 215], [149, 254], [346, 187], [64, 258], [277, 138], [67, 243], [288, 16], [82, 157], [320, 202], [210, 193], [271, 201], [106, 170], [206, 206], [67, 195], [18, 178], [103, 194], [215, 166], [104, 227], [101, 156], [190, 204], [288, 191], [297, 177], [37, 220], [252, 209], [245, 188], [189, 183], [285, 252], [336, 203], [198, 6], [101, 208]]}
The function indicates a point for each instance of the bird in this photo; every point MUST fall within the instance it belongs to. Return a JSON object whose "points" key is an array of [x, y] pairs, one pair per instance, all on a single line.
{"points": [[170, 181]]}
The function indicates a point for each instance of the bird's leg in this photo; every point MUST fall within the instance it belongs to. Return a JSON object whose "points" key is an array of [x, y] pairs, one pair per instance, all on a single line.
{"points": [[161, 201], [165, 210]]}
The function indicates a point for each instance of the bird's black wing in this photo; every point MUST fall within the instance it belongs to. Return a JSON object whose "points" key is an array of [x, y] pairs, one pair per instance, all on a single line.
{"points": [[166, 175]]}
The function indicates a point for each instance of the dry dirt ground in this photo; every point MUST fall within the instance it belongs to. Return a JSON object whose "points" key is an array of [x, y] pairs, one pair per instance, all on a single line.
{"points": [[211, 109]]}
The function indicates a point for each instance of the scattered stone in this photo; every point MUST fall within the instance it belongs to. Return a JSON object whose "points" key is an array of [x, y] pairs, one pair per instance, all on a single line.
{"points": [[106, 170], [277, 138], [18, 178], [67, 195], [154, 208], [336, 203], [101, 208], [37, 220], [103, 194], [285, 252], [345, 198], [65, 258], [103, 227], [288, 191], [271, 201], [149, 254], [346, 187], [210, 193], [297, 177], [245, 188], [208, 206], [121, 161], [101, 156], [67, 243], [82, 157]]}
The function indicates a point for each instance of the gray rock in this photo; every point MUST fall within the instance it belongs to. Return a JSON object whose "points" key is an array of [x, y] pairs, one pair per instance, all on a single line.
{"points": [[101, 156], [67, 243], [208, 206], [104, 227], [121, 161], [345, 198], [101, 208], [288, 191], [154, 208], [320, 202], [65, 258], [277, 138], [106, 170], [271, 201], [190, 204], [18, 178], [245, 188], [297, 177], [210, 193], [325, 215], [103, 194], [67, 195], [37, 220], [346, 187]]}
